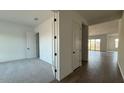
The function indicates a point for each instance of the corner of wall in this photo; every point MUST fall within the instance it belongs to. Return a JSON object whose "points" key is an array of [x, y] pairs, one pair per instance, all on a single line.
{"points": [[121, 70], [121, 47]]}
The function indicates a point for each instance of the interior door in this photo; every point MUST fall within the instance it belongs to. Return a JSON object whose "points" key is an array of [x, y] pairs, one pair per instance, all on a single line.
{"points": [[76, 46], [31, 45]]}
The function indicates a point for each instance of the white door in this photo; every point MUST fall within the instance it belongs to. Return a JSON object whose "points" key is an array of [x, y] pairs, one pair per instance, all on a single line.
{"points": [[76, 46], [31, 45]]}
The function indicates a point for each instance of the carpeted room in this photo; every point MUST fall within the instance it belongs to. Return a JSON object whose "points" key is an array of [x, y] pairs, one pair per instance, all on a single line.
{"points": [[19, 60]]}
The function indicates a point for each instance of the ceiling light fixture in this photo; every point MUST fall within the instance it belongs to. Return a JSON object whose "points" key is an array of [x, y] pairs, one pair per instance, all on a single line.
{"points": [[35, 19]]}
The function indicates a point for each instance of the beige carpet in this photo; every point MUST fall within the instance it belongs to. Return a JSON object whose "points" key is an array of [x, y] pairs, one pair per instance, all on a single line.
{"points": [[26, 71]]}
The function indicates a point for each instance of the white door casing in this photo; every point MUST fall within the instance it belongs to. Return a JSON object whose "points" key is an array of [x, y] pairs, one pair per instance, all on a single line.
{"points": [[56, 45]]}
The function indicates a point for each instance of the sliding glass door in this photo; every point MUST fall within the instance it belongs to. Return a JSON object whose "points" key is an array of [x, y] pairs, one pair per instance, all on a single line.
{"points": [[94, 44]]}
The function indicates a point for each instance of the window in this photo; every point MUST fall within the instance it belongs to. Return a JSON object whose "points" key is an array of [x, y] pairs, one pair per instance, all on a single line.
{"points": [[98, 44], [89, 45], [94, 44], [116, 42]]}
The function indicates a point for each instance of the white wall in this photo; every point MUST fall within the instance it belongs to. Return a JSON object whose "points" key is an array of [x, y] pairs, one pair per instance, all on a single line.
{"points": [[103, 31], [111, 42], [12, 41], [121, 46], [65, 33], [85, 43], [104, 28], [107, 41], [46, 40]]}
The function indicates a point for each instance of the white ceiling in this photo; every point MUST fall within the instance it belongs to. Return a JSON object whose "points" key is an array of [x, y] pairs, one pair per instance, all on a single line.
{"points": [[25, 17], [104, 28], [99, 16]]}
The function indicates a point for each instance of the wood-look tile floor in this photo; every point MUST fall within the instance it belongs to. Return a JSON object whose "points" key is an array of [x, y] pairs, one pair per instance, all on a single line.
{"points": [[102, 67]]}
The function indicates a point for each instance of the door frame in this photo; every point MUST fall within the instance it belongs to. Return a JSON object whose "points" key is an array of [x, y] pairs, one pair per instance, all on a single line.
{"points": [[37, 45], [55, 35]]}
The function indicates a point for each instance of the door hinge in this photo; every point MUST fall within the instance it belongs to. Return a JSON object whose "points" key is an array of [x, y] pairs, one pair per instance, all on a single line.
{"points": [[54, 19], [55, 54], [55, 70], [55, 37]]}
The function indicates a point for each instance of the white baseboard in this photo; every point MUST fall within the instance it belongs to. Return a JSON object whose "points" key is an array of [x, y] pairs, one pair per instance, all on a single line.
{"points": [[121, 71], [6, 61]]}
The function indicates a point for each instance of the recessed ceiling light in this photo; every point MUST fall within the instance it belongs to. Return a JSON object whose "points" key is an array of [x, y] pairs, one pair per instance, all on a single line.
{"points": [[35, 19]]}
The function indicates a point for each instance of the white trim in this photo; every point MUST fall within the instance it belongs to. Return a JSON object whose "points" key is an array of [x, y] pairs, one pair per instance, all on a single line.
{"points": [[121, 71], [56, 45], [52, 24], [17, 60]]}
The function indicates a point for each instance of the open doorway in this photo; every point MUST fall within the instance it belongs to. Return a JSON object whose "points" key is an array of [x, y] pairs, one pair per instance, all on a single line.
{"points": [[37, 45]]}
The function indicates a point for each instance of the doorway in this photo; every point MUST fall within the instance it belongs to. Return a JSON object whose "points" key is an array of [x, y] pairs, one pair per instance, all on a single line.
{"points": [[37, 46]]}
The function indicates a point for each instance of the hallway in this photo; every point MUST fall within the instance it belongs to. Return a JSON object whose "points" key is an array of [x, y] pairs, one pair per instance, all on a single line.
{"points": [[101, 68]]}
